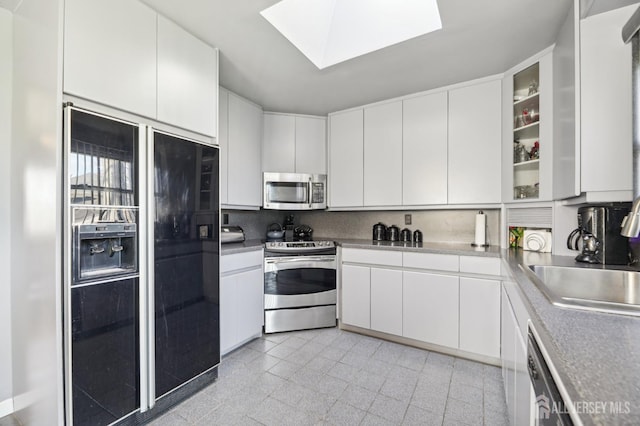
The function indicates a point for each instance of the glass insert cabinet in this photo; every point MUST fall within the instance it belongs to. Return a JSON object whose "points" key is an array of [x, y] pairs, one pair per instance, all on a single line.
{"points": [[526, 133]]}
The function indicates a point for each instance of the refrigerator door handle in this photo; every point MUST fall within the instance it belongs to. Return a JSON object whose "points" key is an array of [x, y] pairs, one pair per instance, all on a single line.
{"points": [[149, 314], [66, 193]]}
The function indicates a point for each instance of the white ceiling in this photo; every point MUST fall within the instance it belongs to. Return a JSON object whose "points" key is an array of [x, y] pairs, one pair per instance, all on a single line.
{"points": [[9, 4], [479, 38]]}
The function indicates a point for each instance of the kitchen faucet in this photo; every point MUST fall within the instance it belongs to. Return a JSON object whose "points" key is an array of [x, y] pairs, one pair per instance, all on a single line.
{"points": [[631, 222]]}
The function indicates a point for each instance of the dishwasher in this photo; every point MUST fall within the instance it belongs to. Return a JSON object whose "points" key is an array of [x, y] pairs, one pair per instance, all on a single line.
{"points": [[549, 406]]}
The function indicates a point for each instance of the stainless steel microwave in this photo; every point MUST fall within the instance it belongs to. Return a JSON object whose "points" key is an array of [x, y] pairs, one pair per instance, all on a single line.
{"points": [[294, 191]]}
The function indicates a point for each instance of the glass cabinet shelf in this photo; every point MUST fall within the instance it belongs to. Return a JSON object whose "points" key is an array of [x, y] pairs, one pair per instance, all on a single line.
{"points": [[525, 127], [531, 164], [526, 101]]}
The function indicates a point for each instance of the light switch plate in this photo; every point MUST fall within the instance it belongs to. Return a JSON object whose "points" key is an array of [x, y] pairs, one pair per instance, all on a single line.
{"points": [[407, 219]]}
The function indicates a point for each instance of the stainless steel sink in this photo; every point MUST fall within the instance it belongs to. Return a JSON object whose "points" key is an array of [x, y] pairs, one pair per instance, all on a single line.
{"points": [[604, 290]]}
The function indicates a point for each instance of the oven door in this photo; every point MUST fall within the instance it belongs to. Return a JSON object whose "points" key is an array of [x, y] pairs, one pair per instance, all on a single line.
{"points": [[299, 281]]}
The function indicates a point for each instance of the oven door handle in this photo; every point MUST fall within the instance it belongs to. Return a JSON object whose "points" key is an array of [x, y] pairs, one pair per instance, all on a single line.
{"points": [[299, 262]]}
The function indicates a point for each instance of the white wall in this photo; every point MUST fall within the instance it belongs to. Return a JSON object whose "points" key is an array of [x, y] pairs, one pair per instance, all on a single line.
{"points": [[6, 68], [36, 212]]}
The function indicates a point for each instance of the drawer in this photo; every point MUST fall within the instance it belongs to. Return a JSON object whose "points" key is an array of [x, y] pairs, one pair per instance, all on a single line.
{"points": [[480, 265], [237, 261], [439, 262], [372, 257]]}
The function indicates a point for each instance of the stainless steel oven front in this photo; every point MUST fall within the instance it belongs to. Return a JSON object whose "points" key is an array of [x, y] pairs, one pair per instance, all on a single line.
{"points": [[299, 289]]}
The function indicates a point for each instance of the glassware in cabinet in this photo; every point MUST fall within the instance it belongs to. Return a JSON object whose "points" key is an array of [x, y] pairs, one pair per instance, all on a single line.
{"points": [[526, 133]]}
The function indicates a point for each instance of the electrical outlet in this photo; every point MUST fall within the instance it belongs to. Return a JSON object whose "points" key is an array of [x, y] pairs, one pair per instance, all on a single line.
{"points": [[407, 219], [225, 218]]}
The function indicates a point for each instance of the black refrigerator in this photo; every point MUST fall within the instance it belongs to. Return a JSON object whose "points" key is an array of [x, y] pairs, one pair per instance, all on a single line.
{"points": [[186, 260], [141, 268]]}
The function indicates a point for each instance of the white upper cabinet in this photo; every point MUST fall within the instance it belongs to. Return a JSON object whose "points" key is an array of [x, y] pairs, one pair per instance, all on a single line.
{"points": [[311, 145], [187, 80], [437, 148], [424, 150], [383, 155], [294, 144], [110, 54], [223, 142], [474, 173], [606, 120], [279, 143], [244, 177], [123, 54], [346, 139]]}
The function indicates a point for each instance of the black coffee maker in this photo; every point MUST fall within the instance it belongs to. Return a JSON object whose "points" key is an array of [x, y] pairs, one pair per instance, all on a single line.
{"points": [[599, 230]]}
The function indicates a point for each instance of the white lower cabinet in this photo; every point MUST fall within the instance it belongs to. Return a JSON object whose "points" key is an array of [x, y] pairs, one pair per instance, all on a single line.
{"points": [[509, 328], [517, 386], [241, 299], [430, 308], [434, 298], [356, 296], [524, 390], [480, 316], [386, 300]]}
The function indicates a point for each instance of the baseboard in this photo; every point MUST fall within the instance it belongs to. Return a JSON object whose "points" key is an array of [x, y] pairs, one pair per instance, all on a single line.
{"points": [[6, 407], [423, 345]]}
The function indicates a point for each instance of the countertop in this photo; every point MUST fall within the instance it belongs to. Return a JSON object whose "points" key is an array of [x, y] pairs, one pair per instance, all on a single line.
{"points": [[426, 247], [245, 246], [596, 355]]}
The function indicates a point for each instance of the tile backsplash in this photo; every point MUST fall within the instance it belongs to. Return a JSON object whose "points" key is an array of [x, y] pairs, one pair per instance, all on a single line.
{"points": [[436, 225]]}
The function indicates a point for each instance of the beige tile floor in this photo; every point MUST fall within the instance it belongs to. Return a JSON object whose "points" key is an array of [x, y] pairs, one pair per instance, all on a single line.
{"points": [[334, 377]]}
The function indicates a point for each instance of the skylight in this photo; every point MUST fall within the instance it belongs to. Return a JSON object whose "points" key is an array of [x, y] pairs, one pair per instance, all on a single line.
{"points": [[332, 31]]}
